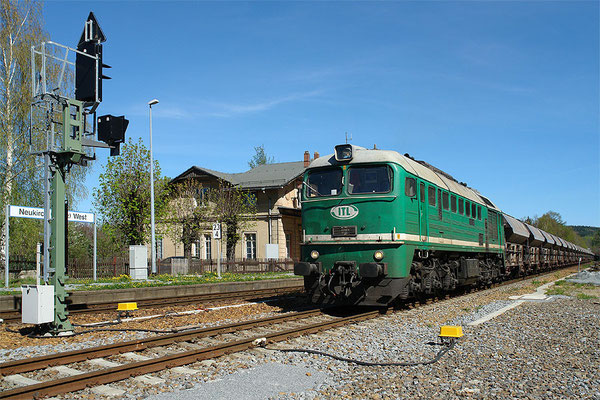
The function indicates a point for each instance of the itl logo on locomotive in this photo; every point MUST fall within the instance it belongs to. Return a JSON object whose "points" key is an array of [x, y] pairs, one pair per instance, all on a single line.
{"points": [[344, 212]]}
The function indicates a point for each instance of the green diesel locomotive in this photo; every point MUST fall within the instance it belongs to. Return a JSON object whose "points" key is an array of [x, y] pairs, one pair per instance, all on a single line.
{"points": [[379, 226]]}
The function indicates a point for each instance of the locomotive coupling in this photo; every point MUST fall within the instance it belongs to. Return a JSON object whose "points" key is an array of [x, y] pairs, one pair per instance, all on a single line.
{"points": [[372, 270], [305, 269]]}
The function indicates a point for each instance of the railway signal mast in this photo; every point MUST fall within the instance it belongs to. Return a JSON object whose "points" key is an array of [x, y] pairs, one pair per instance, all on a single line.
{"points": [[65, 139]]}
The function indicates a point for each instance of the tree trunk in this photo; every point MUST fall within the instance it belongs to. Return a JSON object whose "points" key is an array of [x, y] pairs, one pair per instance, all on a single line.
{"points": [[230, 248], [187, 251]]}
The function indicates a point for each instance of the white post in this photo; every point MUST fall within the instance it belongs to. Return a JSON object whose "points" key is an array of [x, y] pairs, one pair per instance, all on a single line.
{"points": [[153, 238], [95, 251], [6, 237], [219, 260], [38, 261]]}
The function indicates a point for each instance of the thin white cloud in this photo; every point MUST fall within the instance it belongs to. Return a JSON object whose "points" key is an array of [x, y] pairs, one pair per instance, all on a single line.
{"points": [[219, 109]]}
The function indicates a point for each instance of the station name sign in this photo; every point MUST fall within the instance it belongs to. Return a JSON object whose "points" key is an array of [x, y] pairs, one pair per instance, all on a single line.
{"points": [[38, 213]]}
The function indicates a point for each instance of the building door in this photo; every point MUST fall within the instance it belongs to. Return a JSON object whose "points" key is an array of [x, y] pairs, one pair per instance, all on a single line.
{"points": [[423, 226]]}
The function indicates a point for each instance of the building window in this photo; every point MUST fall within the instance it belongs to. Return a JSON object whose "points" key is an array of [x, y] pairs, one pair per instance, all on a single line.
{"points": [[474, 210], [445, 200], [250, 246], [453, 203], [461, 206], [196, 249], [422, 190], [467, 208], [159, 248], [479, 213], [207, 247], [288, 242]]}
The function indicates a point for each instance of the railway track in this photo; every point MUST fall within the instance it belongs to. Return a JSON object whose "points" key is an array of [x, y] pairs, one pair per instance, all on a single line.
{"points": [[15, 316], [230, 338], [278, 329]]}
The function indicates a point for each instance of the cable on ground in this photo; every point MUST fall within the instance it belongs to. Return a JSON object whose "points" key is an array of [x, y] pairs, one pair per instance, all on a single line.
{"points": [[447, 346]]}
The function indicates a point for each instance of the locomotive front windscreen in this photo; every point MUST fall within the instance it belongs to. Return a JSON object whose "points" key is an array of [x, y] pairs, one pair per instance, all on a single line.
{"points": [[371, 179], [324, 183]]}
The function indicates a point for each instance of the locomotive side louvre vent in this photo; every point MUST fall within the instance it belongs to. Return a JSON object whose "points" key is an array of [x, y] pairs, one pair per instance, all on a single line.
{"points": [[343, 231]]}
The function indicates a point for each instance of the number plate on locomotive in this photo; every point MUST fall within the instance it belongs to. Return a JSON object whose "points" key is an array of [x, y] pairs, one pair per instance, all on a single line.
{"points": [[343, 231]]}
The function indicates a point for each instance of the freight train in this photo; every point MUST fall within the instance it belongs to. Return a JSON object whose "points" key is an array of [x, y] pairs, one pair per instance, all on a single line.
{"points": [[379, 226]]}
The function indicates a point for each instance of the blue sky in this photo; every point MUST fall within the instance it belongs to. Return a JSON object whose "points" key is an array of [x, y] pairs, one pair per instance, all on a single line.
{"points": [[502, 95]]}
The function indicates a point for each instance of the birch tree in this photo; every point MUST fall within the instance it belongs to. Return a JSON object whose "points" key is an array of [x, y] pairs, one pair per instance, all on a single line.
{"points": [[20, 28], [21, 173]]}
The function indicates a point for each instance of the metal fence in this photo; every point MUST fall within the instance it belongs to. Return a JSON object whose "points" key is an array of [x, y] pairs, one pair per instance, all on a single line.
{"points": [[116, 266], [21, 263], [105, 268]]}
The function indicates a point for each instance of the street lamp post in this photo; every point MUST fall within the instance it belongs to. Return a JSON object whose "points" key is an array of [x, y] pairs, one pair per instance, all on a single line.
{"points": [[153, 238]]}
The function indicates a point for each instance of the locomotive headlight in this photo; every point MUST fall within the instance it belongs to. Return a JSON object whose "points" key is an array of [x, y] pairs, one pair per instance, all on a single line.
{"points": [[378, 255], [314, 254], [343, 152]]}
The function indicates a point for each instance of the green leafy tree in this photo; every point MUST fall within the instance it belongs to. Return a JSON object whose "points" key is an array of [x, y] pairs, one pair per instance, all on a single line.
{"points": [[81, 241], [595, 243], [21, 174], [187, 214], [108, 245], [123, 195], [260, 157], [234, 208]]}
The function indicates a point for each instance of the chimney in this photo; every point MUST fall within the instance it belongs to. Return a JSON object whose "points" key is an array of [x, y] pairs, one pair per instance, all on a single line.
{"points": [[316, 155], [306, 158]]}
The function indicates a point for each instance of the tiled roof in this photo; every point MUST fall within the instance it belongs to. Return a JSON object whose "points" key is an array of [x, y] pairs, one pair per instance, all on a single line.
{"points": [[262, 176]]}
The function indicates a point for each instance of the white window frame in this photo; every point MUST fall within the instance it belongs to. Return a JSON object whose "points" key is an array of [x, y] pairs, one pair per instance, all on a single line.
{"points": [[159, 248], [207, 247], [253, 253]]}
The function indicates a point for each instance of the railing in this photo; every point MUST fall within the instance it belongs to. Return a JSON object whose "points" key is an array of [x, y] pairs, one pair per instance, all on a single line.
{"points": [[116, 266], [105, 268], [20, 263]]}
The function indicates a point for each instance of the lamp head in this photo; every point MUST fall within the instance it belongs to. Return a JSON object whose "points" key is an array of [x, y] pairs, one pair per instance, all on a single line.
{"points": [[153, 102]]}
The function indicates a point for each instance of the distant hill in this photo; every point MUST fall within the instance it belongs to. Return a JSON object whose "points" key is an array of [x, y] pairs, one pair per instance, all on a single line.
{"points": [[585, 231]]}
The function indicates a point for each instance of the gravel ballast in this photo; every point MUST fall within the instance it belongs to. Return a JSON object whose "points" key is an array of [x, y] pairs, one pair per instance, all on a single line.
{"points": [[537, 350]]}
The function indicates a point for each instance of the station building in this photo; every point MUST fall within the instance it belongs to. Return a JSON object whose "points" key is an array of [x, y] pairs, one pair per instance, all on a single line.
{"points": [[276, 187]]}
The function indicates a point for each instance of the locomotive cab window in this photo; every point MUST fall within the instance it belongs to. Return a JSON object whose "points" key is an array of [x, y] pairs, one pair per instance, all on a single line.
{"points": [[410, 187], [453, 203], [461, 206], [372, 179], [321, 183], [431, 195]]}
